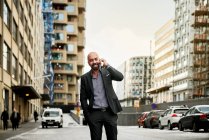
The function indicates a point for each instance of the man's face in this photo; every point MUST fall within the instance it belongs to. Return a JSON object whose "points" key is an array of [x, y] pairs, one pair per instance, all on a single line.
{"points": [[93, 61]]}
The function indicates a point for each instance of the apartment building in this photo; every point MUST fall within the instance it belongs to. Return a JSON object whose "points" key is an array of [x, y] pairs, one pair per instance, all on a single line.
{"points": [[137, 73], [191, 50], [21, 48], [68, 49], [163, 64]]}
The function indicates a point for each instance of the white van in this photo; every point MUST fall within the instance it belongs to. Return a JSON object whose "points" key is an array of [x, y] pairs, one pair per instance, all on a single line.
{"points": [[52, 117]]}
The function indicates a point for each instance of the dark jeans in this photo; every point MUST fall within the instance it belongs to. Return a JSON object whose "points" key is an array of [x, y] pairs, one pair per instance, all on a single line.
{"points": [[98, 119], [14, 125], [5, 125]]}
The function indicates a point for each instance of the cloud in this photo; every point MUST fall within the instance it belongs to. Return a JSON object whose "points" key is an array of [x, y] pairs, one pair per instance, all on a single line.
{"points": [[117, 45]]}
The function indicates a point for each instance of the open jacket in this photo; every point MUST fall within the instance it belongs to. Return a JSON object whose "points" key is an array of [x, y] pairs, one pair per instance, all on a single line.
{"points": [[87, 95]]}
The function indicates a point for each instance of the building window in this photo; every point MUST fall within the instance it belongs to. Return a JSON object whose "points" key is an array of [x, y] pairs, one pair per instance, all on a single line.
{"points": [[70, 78], [70, 28], [21, 43], [69, 97], [6, 13], [15, 3], [14, 67], [59, 36], [57, 56], [21, 13], [58, 86], [6, 57], [58, 16], [20, 75], [14, 30], [25, 77], [70, 8], [69, 67], [70, 47]]}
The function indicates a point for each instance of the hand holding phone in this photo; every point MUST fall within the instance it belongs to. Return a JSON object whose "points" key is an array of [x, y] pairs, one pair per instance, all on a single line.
{"points": [[103, 63]]}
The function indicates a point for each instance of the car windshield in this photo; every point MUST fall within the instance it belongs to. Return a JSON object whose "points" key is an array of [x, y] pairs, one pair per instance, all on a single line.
{"points": [[180, 111], [51, 114], [203, 109]]}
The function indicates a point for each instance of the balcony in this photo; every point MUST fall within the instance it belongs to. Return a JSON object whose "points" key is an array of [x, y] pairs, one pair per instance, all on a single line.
{"points": [[63, 2], [200, 22], [200, 38], [200, 11], [81, 21], [80, 61], [185, 86], [199, 77], [81, 40], [82, 4], [200, 50], [200, 63]]}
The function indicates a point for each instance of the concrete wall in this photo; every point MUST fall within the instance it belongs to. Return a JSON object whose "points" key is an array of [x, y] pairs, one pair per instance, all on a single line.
{"points": [[129, 115]]}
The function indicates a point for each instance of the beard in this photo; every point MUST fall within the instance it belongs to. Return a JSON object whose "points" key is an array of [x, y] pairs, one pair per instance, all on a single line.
{"points": [[95, 67]]}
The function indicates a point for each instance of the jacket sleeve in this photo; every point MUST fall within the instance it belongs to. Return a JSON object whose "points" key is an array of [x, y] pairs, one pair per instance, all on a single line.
{"points": [[115, 74], [83, 98]]}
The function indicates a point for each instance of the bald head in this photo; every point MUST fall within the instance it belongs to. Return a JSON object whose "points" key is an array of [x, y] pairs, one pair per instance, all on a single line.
{"points": [[93, 60], [92, 54]]}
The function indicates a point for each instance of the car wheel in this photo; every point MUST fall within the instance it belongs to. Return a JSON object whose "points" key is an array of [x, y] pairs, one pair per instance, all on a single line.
{"points": [[160, 126], [181, 127], [206, 130], [194, 127], [42, 126], [170, 126]]}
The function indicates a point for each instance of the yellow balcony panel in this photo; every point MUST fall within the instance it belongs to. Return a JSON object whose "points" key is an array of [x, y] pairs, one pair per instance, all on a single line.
{"points": [[80, 61], [59, 100], [64, 2], [82, 4], [81, 41], [60, 90], [65, 72], [81, 21]]}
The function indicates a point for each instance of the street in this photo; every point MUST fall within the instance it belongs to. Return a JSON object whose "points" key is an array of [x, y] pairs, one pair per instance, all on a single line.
{"points": [[71, 130]]}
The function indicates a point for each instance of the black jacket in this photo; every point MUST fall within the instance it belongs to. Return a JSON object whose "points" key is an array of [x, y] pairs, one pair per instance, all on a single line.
{"points": [[4, 116], [86, 90]]}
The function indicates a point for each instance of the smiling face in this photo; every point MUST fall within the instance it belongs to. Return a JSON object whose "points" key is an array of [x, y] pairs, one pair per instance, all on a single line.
{"points": [[94, 61]]}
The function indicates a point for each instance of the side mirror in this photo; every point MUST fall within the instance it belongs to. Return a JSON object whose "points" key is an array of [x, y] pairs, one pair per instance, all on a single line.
{"points": [[162, 115], [61, 116], [183, 114]]}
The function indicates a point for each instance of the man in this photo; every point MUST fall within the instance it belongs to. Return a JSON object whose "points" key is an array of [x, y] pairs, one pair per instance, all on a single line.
{"points": [[35, 115], [98, 99], [5, 118], [15, 118]]}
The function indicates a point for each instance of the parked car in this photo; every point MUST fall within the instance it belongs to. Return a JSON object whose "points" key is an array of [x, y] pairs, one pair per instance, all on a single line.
{"points": [[197, 117], [152, 119], [171, 117], [141, 119], [52, 117]]}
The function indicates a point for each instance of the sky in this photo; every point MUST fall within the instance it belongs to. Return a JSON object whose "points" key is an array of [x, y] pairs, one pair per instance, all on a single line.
{"points": [[120, 29]]}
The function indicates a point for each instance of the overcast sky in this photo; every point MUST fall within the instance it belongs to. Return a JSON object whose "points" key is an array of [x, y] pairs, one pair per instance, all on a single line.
{"points": [[120, 29]]}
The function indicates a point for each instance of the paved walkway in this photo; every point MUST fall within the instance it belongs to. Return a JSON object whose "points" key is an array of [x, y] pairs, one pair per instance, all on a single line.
{"points": [[27, 126]]}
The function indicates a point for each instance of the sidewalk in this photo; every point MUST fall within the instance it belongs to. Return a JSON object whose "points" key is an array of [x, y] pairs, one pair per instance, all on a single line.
{"points": [[27, 126], [24, 127]]}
